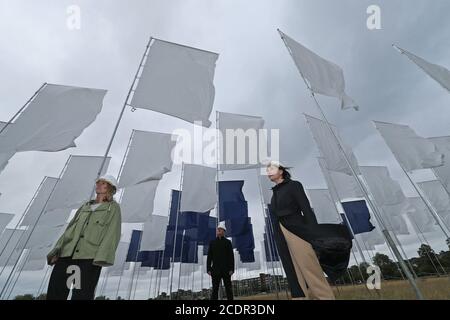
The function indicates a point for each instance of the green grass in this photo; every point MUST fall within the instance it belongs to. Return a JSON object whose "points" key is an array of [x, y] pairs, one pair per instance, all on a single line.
{"points": [[432, 289]]}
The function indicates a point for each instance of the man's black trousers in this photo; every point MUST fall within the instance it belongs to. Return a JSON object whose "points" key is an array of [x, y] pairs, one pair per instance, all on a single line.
{"points": [[216, 277]]}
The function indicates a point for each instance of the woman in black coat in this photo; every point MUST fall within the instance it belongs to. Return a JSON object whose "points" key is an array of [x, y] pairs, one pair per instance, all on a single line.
{"points": [[306, 249]]}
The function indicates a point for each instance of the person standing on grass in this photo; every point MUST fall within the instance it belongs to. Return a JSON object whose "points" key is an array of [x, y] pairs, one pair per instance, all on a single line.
{"points": [[88, 244], [220, 263]]}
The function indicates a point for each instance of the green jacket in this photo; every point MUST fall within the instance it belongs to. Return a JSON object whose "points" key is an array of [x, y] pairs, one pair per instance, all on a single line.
{"points": [[91, 235]]}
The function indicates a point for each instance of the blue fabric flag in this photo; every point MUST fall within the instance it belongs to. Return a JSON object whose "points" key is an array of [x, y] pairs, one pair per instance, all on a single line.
{"points": [[358, 216], [133, 249]]}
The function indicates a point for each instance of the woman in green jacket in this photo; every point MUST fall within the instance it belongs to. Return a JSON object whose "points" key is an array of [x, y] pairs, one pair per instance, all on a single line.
{"points": [[88, 244]]}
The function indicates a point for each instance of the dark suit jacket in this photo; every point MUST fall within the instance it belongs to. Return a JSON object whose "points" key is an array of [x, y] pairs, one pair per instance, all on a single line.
{"points": [[220, 256]]}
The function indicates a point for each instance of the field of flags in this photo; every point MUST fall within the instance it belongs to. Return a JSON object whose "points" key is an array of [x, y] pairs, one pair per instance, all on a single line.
{"points": [[177, 80]]}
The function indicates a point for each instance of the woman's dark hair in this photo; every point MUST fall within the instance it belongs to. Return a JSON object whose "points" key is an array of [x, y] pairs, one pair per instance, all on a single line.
{"points": [[286, 174]]}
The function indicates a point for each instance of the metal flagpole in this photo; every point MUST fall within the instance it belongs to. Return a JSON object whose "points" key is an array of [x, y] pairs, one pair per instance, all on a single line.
{"points": [[20, 220], [176, 230], [43, 281], [32, 229], [363, 189], [264, 217], [134, 267], [24, 261], [120, 280], [126, 103], [428, 205], [23, 107], [137, 281], [426, 241], [150, 285], [181, 263], [345, 215]]}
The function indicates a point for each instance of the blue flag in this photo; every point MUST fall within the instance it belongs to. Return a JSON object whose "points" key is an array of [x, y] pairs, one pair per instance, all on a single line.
{"points": [[358, 215], [133, 249]]}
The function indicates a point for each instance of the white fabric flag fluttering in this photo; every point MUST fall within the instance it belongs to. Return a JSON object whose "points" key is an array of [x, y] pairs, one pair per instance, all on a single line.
{"points": [[241, 141], [443, 172], [419, 215], [53, 119], [177, 80], [5, 156], [198, 189], [384, 189], [119, 261], [328, 147], [324, 77], [8, 243], [137, 202], [340, 185], [438, 197], [149, 157], [5, 218], [436, 72], [411, 151], [154, 233], [323, 206], [36, 207], [266, 188], [77, 182]]}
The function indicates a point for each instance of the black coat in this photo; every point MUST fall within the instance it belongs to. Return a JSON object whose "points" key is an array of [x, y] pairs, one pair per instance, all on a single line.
{"points": [[220, 256], [331, 242]]}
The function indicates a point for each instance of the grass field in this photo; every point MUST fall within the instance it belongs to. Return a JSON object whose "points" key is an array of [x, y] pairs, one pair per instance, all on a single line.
{"points": [[432, 289]]}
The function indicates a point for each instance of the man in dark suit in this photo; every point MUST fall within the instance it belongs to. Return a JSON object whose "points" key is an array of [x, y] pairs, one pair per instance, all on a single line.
{"points": [[220, 263]]}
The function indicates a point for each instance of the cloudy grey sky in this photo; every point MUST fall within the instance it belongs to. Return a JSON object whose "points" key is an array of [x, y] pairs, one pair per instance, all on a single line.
{"points": [[254, 75]]}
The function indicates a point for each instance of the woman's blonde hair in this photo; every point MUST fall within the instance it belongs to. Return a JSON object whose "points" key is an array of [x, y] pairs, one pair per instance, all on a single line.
{"points": [[109, 193]]}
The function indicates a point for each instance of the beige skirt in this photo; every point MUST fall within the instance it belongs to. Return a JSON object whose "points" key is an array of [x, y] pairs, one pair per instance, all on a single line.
{"points": [[307, 268]]}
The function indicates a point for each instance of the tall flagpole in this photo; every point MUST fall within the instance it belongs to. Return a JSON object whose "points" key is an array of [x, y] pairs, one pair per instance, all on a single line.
{"points": [[23, 107], [33, 227], [436, 217], [176, 230], [385, 232], [125, 104], [264, 218]]}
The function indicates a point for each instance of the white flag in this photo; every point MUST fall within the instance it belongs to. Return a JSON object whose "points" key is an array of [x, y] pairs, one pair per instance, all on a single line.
{"points": [[437, 72], [324, 77], [4, 156], [420, 216], [177, 80], [53, 119], [41, 236], [411, 151], [149, 157], [8, 243], [443, 172], [119, 261], [329, 148], [77, 182], [36, 207], [241, 139], [438, 197], [137, 202], [5, 218], [384, 189], [266, 188], [199, 188], [323, 206], [371, 239], [154, 233], [340, 185]]}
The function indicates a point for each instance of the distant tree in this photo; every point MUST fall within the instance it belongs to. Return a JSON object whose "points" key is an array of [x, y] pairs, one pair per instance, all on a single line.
{"points": [[388, 268], [24, 297], [42, 296]]}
